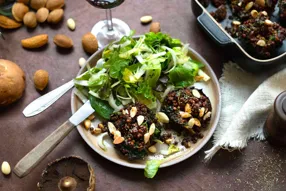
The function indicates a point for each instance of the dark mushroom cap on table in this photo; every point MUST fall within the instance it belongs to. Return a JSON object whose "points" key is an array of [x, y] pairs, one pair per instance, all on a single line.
{"points": [[67, 174]]}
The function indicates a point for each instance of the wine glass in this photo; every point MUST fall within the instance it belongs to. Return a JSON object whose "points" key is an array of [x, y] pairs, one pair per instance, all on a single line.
{"points": [[110, 29]]}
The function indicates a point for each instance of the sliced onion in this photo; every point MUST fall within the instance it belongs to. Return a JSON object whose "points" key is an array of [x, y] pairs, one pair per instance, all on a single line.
{"points": [[112, 103], [168, 89], [100, 141], [80, 95]]}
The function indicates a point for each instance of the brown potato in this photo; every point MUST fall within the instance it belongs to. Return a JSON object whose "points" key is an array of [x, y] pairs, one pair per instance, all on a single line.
{"points": [[41, 79], [12, 82]]}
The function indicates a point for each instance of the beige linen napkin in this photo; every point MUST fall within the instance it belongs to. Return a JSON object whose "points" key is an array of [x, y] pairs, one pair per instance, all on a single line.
{"points": [[245, 107]]}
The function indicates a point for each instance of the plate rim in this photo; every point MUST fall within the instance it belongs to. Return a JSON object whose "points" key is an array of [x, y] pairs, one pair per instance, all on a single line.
{"points": [[171, 162]]}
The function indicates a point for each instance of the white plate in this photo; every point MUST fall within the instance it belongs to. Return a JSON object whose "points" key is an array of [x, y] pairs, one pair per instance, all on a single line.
{"points": [[210, 88]]}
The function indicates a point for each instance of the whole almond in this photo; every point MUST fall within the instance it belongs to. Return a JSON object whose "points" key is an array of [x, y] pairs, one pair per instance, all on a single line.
{"points": [[37, 4], [19, 10], [35, 42], [41, 79], [155, 27], [55, 4], [63, 41], [8, 23], [26, 2], [56, 16], [30, 20], [89, 43], [42, 14]]}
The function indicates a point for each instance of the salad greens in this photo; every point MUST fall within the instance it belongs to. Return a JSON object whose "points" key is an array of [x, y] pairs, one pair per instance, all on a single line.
{"points": [[151, 168], [132, 69]]}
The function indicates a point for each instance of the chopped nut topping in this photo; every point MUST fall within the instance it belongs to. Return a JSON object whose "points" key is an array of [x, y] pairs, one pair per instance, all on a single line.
{"points": [[191, 123], [162, 117], [152, 149], [207, 115], [196, 93], [140, 119], [261, 43], [249, 6], [152, 129], [111, 127], [146, 137], [188, 108], [133, 112], [197, 122], [185, 115], [202, 112], [118, 140]]}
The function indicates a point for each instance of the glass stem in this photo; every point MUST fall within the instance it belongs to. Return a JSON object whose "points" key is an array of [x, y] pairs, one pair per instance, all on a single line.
{"points": [[109, 19]]}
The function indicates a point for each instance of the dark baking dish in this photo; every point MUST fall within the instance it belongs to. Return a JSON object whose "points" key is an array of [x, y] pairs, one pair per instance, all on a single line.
{"points": [[233, 47]]}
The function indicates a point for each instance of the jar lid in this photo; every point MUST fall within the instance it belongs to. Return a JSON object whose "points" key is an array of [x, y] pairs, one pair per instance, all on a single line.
{"points": [[284, 106]]}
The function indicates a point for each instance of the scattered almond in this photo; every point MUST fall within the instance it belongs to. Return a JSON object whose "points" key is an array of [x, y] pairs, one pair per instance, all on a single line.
{"points": [[101, 126], [87, 124], [19, 10], [5, 168], [254, 13], [63, 41], [35, 42], [71, 24], [8, 23], [146, 19], [55, 4], [89, 43], [30, 20], [81, 62], [91, 117], [42, 14], [37, 4], [55, 16], [155, 27], [96, 131], [41, 79]]}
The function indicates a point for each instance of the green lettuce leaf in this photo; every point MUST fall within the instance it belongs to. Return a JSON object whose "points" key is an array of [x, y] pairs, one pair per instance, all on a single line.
{"points": [[101, 107], [151, 168], [183, 75]]}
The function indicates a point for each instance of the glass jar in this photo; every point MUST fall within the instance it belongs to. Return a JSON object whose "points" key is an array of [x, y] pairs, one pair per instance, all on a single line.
{"points": [[275, 125]]}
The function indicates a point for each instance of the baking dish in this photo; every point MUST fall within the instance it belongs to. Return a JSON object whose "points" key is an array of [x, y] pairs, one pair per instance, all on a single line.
{"points": [[232, 46]]}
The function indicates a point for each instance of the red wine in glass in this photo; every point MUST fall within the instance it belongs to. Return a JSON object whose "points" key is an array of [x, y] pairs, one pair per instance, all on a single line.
{"points": [[110, 29]]}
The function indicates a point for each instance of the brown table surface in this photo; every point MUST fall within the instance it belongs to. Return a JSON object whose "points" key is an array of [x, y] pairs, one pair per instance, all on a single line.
{"points": [[258, 167]]}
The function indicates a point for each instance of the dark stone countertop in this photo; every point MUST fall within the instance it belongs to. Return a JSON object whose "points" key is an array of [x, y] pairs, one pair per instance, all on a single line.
{"points": [[258, 167]]}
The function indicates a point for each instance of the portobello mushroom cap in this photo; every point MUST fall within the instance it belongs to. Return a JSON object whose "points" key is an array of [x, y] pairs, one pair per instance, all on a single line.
{"points": [[67, 174]]}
